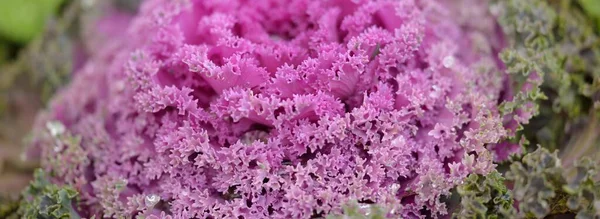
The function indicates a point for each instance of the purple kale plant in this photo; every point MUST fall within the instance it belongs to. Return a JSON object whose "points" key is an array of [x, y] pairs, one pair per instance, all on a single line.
{"points": [[280, 109]]}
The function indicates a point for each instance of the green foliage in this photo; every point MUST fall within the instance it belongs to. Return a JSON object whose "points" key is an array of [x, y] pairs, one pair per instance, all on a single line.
{"points": [[584, 191], [553, 49], [541, 187], [484, 197], [529, 55], [537, 180], [42, 199], [579, 45]]}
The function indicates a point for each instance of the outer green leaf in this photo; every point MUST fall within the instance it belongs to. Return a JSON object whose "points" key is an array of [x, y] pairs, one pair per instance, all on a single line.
{"points": [[42, 199]]}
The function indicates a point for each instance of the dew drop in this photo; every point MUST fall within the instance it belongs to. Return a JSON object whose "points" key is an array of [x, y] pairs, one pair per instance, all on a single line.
{"points": [[151, 200], [448, 61], [395, 187], [366, 208], [55, 128]]}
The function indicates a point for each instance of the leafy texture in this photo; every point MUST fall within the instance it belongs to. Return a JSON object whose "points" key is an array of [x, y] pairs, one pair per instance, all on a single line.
{"points": [[528, 58], [541, 187], [230, 109], [584, 190], [537, 182], [554, 49], [485, 197], [42, 199]]}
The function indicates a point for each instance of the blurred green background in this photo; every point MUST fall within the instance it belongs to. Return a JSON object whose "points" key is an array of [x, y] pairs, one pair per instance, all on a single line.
{"points": [[41, 43], [22, 20], [35, 42]]}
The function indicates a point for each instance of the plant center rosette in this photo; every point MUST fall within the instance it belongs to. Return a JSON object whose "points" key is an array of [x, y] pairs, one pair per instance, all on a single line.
{"points": [[280, 109]]}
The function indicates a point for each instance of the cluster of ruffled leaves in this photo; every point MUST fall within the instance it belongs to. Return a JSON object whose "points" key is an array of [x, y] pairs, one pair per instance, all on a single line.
{"points": [[221, 144], [42, 199], [553, 56], [528, 56], [535, 53], [484, 197], [552, 59], [541, 187], [584, 190]]}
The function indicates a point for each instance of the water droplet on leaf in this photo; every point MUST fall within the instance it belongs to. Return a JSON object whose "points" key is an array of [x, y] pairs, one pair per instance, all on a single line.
{"points": [[448, 61], [151, 200], [55, 128]]}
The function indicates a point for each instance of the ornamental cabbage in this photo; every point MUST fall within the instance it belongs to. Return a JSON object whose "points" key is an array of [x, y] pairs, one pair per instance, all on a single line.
{"points": [[281, 109]]}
